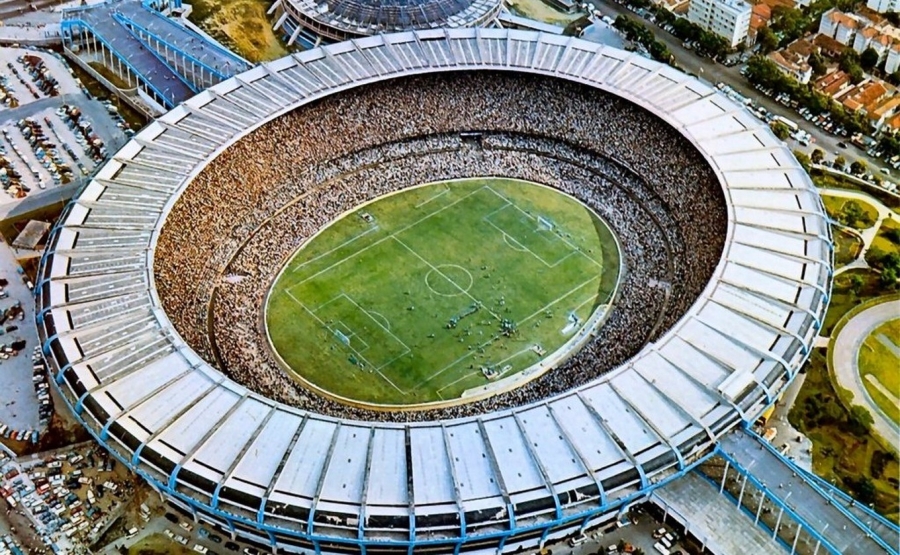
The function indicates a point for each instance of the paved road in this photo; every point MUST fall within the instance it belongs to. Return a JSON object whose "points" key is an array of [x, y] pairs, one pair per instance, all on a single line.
{"points": [[712, 72], [846, 368]]}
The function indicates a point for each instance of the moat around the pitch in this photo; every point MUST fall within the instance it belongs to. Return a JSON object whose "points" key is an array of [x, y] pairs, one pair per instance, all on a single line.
{"points": [[443, 293]]}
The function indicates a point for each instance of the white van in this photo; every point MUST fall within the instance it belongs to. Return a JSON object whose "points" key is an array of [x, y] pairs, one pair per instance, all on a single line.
{"points": [[578, 540]]}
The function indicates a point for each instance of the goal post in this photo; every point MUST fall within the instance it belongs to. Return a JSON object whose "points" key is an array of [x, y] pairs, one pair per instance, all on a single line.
{"points": [[545, 223]]}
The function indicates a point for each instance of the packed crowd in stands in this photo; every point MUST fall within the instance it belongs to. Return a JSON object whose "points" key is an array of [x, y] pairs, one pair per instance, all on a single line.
{"points": [[249, 210]]}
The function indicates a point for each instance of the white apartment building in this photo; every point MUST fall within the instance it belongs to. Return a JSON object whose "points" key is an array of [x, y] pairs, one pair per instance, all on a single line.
{"points": [[882, 6], [727, 18], [840, 26]]}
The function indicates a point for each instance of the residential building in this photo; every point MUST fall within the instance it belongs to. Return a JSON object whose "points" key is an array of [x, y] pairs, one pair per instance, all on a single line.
{"points": [[729, 19], [885, 110], [792, 64], [871, 37], [882, 6], [892, 63], [864, 96], [833, 84], [840, 26]]}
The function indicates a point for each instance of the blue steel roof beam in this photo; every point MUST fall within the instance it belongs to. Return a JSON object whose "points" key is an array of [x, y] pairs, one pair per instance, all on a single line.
{"points": [[529, 445], [198, 132], [173, 476], [656, 430], [712, 390], [167, 101], [762, 295], [213, 385], [156, 145], [235, 103], [149, 165], [615, 439], [677, 406], [277, 475], [201, 114], [127, 24], [136, 404], [453, 476], [240, 456], [495, 467], [780, 330], [365, 485], [321, 483], [581, 458], [213, 141], [275, 76], [731, 370], [768, 355]]}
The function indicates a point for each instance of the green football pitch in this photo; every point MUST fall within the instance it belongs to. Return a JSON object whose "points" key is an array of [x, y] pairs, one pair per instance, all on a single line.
{"points": [[424, 294]]}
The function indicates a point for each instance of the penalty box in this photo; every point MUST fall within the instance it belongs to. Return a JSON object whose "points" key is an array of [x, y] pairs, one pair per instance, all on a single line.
{"points": [[367, 335], [530, 234]]}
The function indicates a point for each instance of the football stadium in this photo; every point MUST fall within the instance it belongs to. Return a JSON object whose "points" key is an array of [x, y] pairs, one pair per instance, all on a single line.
{"points": [[468, 290]]}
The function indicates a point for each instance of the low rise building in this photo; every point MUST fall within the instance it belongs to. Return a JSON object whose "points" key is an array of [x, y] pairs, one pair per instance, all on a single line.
{"points": [[792, 64], [729, 19], [882, 6]]}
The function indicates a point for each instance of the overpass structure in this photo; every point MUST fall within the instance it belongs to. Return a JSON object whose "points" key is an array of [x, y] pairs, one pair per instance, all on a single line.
{"points": [[154, 55]]}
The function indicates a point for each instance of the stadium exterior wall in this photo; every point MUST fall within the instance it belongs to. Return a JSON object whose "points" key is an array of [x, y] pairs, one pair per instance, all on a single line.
{"points": [[175, 381]]}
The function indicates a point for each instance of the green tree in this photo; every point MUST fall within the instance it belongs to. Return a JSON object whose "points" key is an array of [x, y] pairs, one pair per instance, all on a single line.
{"points": [[840, 162], [803, 158], [856, 284], [893, 235], [781, 130], [850, 63], [889, 277], [865, 490], [790, 23], [817, 63], [817, 156], [766, 39], [860, 420], [852, 213], [858, 167], [869, 59]]}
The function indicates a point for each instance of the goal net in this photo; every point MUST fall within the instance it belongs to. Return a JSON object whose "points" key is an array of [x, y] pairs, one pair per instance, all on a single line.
{"points": [[342, 338], [544, 223]]}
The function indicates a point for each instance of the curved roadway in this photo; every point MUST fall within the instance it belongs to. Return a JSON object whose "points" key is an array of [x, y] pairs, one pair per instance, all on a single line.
{"points": [[846, 362]]}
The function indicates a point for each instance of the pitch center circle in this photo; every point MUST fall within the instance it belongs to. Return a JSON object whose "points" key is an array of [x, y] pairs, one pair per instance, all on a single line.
{"points": [[449, 280]]}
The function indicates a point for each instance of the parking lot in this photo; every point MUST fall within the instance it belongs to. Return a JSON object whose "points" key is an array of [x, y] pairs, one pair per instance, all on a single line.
{"points": [[28, 75], [51, 132], [71, 496]]}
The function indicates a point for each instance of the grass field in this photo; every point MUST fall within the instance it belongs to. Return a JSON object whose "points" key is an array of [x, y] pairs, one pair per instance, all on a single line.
{"points": [[404, 300], [879, 357], [836, 206], [881, 241], [241, 25], [158, 544], [846, 246], [840, 453]]}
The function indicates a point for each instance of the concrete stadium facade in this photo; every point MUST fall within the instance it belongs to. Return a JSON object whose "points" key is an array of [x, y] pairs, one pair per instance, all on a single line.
{"points": [[300, 481]]}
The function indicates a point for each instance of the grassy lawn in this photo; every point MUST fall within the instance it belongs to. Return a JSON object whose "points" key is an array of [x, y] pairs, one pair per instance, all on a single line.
{"points": [[881, 361], [541, 11], [241, 25], [833, 182], [158, 544], [843, 298], [838, 209], [846, 246], [841, 452], [419, 295], [881, 241]]}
